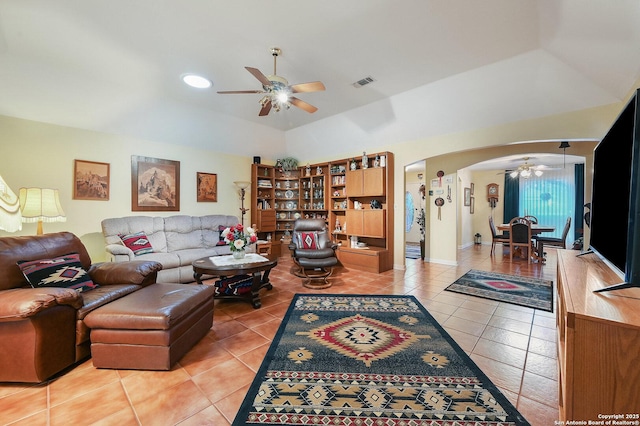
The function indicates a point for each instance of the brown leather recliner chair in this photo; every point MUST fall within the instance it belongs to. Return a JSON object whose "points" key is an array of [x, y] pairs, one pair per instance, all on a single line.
{"points": [[42, 330], [313, 252]]}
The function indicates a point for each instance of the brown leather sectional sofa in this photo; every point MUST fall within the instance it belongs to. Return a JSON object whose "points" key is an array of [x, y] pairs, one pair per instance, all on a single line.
{"points": [[42, 330]]}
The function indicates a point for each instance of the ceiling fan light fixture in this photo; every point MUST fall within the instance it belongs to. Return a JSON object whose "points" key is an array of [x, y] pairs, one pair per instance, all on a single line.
{"points": [[282, 96], [196, 81], [514, 174], [538, 173]]}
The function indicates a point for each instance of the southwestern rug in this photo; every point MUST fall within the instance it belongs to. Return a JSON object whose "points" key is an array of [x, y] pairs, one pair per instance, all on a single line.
{"points": [[369, 360], [524, 291]]}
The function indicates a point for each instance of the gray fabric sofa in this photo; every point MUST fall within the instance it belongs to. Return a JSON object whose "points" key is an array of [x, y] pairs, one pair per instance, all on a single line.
{"points": [[176, 240]]}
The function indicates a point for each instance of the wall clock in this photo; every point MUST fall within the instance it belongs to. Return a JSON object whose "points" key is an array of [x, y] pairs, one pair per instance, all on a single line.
{"points": [[492, 191]]}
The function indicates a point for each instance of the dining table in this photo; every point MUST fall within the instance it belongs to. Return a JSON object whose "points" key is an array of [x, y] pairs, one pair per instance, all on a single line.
{"points": [[536, 229]]}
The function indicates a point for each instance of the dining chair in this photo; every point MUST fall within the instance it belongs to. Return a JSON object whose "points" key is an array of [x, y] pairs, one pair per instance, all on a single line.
{"points": [[554, 242], [531, 219], [495, 237], [520, 236]]}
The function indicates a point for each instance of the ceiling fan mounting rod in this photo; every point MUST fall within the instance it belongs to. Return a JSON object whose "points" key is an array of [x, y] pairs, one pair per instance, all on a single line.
{"points": [[275, 51]]}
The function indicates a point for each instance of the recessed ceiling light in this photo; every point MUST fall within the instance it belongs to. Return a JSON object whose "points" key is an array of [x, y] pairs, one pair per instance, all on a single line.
{"points": [[197, 81]]}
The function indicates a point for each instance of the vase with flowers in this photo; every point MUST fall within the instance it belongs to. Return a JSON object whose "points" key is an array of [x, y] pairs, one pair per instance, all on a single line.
{"points": [[238, 238]]}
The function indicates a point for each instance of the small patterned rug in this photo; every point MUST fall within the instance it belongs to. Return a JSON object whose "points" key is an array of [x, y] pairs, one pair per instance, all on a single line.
{"points": [[369, 360], [412, 251], [524, 291]]}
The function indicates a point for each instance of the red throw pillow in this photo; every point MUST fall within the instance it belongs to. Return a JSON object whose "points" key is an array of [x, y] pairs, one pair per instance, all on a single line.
{"points": [[307, 240], [221, 242], [138, 243]]}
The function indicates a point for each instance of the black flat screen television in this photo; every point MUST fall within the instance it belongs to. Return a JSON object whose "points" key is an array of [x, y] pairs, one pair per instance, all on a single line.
{"points": [[615, 198]]}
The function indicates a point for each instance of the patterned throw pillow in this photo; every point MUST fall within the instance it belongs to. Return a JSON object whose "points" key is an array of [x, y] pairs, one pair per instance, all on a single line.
{"points": [[233, 286], [64, 271], [307, 240], [138, 243], [220, 237]]}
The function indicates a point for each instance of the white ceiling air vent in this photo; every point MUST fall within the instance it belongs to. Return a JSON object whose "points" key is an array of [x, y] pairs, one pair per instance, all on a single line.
{"points": [[363, 82]]}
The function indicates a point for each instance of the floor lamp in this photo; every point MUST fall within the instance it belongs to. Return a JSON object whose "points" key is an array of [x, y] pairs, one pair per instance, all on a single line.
{"points": [[242, 185], [41, 205]]}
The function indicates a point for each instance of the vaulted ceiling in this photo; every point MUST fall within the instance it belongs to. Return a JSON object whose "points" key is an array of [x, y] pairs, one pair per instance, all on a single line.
{"points": [[115, 66]]}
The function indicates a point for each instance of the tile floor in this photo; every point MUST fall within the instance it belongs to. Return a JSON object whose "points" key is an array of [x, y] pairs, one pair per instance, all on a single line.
{"points": [[514, 346]]}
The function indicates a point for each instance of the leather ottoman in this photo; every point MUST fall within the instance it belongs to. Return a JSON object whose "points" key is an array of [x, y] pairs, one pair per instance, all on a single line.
{"points": [[152, 328]]}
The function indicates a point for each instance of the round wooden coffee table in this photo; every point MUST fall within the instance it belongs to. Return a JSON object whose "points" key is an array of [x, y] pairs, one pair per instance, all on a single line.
{"points": [[225, 266]]}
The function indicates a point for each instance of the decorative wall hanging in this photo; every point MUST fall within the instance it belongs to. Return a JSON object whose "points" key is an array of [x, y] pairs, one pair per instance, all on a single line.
{"points": [[155, 184], [207, 187], [439, 202], [467, 196], [91, 180]]}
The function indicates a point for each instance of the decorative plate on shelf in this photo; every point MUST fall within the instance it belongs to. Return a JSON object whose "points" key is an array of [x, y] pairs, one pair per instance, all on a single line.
{"points": [[288, 194], [283, 215], [290, 205], [278, 194], [297, 215]]}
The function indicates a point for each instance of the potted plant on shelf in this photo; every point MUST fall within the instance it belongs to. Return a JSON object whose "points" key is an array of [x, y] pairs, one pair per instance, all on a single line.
{"points": [[287, 165]]}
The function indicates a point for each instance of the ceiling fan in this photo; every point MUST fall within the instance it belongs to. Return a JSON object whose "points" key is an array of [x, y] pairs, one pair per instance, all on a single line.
{"points": [[278, 91], [526, 170]]}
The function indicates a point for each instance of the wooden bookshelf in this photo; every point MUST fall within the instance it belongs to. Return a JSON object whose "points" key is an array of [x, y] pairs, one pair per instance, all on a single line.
{"points": [[337, 194]]}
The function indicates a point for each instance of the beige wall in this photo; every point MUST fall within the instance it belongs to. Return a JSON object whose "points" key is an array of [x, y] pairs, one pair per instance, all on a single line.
{"points": [[39, 154], [42, 155]]}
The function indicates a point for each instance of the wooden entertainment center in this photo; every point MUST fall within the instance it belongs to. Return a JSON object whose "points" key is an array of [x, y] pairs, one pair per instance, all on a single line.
{"points": [[598, 342], [355, 201]]}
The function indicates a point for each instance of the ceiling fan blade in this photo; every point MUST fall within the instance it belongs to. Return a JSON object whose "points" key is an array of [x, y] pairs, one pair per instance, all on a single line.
{"points": [[314, 86], [235, 92], [258, 74], [265, 109], [302, 105]]}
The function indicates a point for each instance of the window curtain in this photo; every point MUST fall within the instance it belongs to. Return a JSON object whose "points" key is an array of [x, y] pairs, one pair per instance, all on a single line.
{"points": [[552, 199], [511, 198]]}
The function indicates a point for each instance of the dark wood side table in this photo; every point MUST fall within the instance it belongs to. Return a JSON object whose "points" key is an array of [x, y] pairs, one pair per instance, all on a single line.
{"points": [[226, 266]]}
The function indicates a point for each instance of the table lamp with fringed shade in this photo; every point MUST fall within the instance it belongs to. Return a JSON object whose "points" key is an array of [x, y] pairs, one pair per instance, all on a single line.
{"points": [[10, 217], [41, 205]]}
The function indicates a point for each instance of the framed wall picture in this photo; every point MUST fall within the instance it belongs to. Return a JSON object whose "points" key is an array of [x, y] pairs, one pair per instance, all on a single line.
{"points": [[472, 188], [207, 187], [155, 184], [90, 180], [467, 196], [472, 205]]}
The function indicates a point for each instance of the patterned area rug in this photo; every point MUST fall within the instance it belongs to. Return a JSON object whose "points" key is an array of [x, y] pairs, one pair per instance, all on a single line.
{"points": [[524, 291], [369, 360]]}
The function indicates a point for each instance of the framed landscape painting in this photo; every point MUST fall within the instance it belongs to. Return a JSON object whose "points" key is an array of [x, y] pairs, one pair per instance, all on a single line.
{"points": [[155, 184], [90, 180], [207, 187]]}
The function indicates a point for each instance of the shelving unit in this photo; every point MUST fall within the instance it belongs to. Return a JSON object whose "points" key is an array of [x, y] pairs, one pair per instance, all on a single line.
{"points": [[598, 341], [263, 211], [372, 227], [339, 201], [287, 203], [341, 196]]}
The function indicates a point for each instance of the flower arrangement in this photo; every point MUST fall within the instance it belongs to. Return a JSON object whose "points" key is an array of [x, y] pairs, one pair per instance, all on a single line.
{"points": [[238, 237]]}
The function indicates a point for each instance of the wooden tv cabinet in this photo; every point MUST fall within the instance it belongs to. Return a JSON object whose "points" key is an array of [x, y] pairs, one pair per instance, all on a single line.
{"points": [[598, 342]]}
